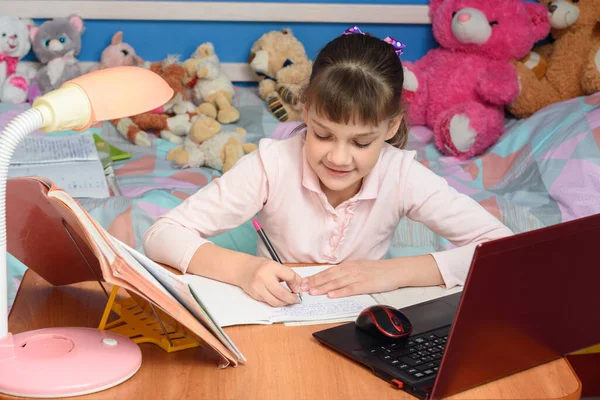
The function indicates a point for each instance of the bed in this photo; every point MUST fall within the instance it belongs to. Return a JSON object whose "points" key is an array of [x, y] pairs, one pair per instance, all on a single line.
{"points": [[544, 170]]}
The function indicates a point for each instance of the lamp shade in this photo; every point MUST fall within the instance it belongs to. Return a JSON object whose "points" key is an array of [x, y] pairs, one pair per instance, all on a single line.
{"points": [[104, 88]]}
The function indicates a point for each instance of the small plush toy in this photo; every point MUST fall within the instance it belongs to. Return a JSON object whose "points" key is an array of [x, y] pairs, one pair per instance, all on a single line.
{"points": [[207, 145], [173, 120], [56, 43], [572, 59], [279, 60], [14, 45], [119, 53], [211, 88], [460, 89], [535, 62]]}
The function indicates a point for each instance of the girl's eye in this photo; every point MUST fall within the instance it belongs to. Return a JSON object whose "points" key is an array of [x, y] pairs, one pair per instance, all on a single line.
{"points": [[321, 137], [362, 145], [47, 42], [62, 38]]}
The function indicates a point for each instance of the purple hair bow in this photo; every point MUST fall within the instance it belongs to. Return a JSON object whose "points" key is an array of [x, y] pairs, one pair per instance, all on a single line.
{"points": [[398, 47], [353, 30]]}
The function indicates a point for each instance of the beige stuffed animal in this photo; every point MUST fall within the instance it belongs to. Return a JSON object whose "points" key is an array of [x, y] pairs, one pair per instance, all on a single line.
{"points": [[279, 60], [572, 60], [207, 145], [211, 88]]}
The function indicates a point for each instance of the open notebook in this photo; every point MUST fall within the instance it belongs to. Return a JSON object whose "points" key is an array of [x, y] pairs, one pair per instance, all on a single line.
{"points": [[239, 308]]}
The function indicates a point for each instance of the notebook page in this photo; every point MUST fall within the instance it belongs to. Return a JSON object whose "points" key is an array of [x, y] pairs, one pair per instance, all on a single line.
{"points": [[47, 149], [71, 162], [321, 309], [321, 321], [230, 305]]}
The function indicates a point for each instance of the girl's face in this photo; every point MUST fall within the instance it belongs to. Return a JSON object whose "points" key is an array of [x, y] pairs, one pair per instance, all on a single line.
{"points": [[343, 154]]}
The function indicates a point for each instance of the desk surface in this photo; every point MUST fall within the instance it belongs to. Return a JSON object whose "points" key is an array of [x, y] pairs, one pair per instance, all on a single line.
{"points": [[283, 362]]}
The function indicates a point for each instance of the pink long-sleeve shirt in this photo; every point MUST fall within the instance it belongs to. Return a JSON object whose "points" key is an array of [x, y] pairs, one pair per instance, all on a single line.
{"points": [[277, 182]]}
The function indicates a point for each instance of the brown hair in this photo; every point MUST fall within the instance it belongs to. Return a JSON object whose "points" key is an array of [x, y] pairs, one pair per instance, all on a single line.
{"points": [[358, 77]]}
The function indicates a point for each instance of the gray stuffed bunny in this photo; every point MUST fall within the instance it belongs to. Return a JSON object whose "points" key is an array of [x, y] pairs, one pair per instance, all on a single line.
{"points": [[55, 43]]}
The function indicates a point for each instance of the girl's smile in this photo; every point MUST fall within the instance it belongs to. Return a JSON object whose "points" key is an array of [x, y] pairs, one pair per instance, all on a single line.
{"points": [[338, 171]]}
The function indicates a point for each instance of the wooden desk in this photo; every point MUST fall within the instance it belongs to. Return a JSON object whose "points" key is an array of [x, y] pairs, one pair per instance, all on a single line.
{"points": [[283, 362]]}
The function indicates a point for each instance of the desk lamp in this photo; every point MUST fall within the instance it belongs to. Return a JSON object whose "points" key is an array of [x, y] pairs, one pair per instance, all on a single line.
{"points": [[59, 362]]}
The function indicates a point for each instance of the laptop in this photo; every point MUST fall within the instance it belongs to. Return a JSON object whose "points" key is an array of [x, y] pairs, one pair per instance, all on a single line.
{"points": [[528, 299]]}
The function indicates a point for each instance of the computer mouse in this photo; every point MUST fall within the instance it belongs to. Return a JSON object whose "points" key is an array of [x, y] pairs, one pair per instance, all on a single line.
{"points": [[384, 322]]}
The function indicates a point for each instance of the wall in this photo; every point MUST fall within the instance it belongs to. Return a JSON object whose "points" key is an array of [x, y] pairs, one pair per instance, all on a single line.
{"points": [[155, 39]]}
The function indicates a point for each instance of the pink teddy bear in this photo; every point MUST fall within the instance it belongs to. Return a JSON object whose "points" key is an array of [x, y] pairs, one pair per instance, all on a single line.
{"points": [[460, 89]]}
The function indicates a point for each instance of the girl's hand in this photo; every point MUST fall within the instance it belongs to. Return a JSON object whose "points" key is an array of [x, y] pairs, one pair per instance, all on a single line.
{"points": [[261, 280], [351, 278]]}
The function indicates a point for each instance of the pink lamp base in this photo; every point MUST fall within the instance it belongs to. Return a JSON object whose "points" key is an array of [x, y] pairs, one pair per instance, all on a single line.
{"points": [[62, 362]]}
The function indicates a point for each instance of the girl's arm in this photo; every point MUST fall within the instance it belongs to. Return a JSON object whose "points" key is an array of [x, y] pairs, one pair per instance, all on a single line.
{"points": [[179, 238], [427, 198]]}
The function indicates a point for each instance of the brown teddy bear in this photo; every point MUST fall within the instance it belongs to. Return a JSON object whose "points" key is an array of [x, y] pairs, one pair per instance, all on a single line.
{"points": [[279, 60], [207, 145], [173, 120], [571, 62]]}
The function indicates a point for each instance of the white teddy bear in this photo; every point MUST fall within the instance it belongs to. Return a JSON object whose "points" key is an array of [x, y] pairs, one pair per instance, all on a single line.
{"points": [[14, 45], [211, 88], [207, 145]]}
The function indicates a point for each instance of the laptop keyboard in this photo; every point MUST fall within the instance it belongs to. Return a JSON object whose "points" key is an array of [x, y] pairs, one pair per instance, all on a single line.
{"points": [[419, 356]]}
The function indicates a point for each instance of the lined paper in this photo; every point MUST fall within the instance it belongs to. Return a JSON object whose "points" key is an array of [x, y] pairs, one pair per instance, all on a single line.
{"points": [[46, 149], [230, 305], [71, 162]]}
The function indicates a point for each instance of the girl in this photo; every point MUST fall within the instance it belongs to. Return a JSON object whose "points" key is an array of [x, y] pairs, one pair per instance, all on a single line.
{"points": [[331, 195]]}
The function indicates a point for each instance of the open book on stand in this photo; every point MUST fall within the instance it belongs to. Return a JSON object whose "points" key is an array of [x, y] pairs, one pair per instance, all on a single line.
{"points": [[54, 236]]}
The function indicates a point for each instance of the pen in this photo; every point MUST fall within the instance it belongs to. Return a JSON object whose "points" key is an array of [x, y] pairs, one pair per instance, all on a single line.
{"points": [[269, 246]]}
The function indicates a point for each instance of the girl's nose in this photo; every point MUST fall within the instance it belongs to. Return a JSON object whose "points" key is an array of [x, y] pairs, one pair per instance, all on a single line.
{"points": [[339, 156]]}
